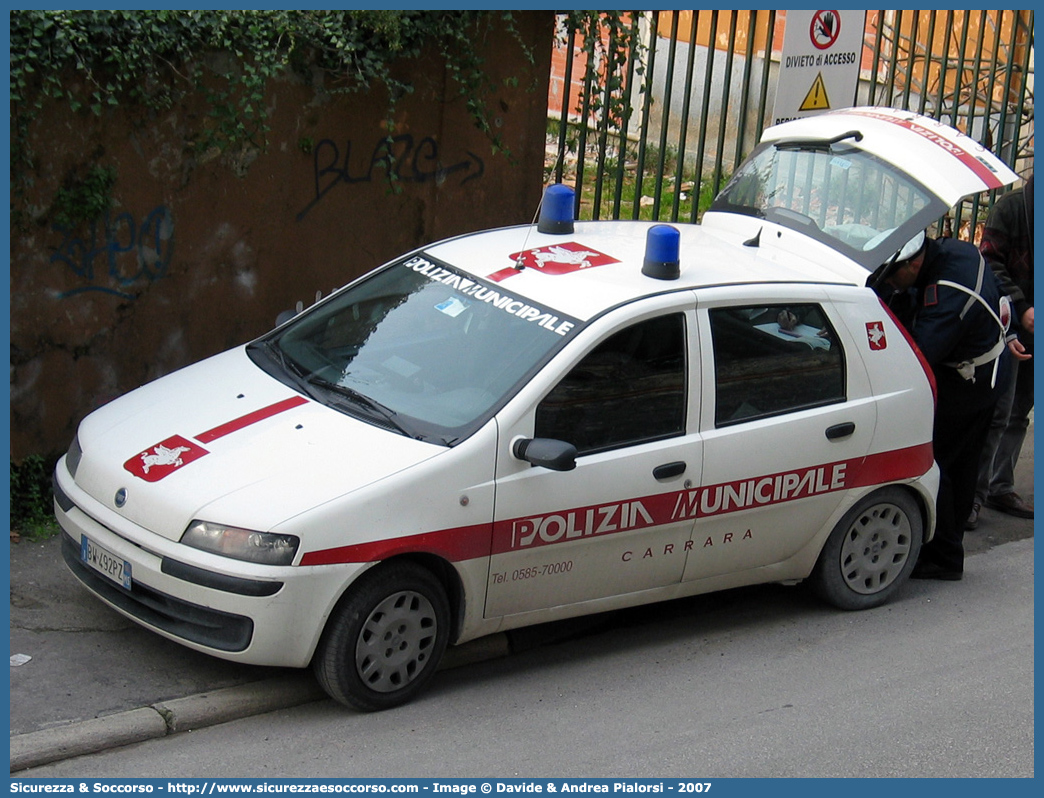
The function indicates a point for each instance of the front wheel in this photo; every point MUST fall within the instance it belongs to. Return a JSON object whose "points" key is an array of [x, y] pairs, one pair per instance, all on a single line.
{"points": [[871, 552], [384, 642]]}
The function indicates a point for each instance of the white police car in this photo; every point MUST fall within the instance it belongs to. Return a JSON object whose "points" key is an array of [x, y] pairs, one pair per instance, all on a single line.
{"points": [[539, 422]]}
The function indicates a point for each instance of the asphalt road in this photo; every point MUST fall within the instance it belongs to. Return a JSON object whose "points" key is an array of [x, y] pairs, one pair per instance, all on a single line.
{"points": [[761, 682]]}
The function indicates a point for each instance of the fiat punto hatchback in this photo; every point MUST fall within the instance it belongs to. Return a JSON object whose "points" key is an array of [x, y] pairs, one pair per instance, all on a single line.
{"points": [[532, 423]]}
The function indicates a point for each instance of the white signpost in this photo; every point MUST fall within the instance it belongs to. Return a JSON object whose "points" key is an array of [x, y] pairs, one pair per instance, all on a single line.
{"points": [[819, 69]]}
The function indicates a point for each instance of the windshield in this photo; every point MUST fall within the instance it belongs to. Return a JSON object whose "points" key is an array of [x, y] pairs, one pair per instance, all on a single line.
{"points": [[417, 347], [843, 196]]}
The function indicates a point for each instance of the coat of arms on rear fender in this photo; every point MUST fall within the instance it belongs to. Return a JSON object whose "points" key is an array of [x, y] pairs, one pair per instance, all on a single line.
{"points": [[875, 335]]}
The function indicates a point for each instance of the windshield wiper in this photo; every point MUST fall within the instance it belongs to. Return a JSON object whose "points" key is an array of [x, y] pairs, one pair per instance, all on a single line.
{"points": [[373, 407], [289, 366], [816, 144]]}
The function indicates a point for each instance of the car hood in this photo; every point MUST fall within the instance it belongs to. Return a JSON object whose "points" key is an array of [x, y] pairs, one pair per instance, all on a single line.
{"points": [[223, 441]]}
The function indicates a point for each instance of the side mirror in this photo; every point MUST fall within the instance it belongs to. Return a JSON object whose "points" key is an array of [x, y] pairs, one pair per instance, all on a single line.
{"points": [[546, 452]]}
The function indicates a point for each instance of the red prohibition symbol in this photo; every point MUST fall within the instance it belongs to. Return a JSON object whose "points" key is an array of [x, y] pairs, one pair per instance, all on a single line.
{"points": [[825, 28]]}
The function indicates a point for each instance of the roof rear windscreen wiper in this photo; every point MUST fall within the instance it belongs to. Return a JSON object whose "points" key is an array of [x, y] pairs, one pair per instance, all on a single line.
{"points": [[816, 144]]}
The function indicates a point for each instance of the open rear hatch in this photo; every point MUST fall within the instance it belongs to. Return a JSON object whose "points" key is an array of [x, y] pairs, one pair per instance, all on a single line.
{"points": [[862, 181]]}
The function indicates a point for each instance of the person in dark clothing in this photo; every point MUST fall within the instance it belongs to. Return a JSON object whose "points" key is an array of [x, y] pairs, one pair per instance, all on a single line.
{"points": [[950, 302], [1007, 246]]}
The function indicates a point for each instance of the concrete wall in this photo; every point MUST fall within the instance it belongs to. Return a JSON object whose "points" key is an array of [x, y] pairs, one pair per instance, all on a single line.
{"points": [[200, 253]]}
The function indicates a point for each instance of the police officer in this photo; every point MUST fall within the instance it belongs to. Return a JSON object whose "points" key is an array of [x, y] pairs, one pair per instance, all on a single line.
{"points": [[948, 299]]}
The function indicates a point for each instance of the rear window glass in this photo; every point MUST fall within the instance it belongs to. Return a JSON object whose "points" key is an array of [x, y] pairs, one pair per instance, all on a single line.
{"points": [[847, 198]]}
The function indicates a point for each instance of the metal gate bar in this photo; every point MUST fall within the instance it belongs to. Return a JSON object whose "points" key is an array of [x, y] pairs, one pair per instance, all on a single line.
{"points": [[687, 124]]}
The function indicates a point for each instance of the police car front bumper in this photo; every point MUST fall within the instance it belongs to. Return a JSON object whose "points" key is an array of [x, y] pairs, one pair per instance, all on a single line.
{"points": [[258, 615]]}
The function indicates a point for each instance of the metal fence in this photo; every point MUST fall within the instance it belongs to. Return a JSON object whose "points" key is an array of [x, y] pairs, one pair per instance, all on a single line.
{"points": [[648, 119]]}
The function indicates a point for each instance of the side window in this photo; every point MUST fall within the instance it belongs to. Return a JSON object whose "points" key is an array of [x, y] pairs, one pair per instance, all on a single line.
{"points": [[772, 360], [629, 389]]}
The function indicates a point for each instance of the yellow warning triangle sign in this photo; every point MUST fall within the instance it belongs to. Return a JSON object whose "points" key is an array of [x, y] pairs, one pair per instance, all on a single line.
{"points": [[816, 99]]}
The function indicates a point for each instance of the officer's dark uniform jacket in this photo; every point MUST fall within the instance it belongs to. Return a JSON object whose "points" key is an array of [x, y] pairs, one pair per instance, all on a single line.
{"points": [[954, 328]]}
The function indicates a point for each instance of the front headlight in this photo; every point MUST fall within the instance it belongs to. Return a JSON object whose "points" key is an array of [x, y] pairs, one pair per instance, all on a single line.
{"points": [[266, 548]]}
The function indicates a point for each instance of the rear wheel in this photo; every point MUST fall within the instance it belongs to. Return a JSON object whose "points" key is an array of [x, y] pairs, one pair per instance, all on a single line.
{"points": [[871, 551], [384, 642]]}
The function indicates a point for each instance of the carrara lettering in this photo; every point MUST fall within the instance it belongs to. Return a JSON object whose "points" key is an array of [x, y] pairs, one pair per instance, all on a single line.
{"points": [[668, 550], [729, 537]]}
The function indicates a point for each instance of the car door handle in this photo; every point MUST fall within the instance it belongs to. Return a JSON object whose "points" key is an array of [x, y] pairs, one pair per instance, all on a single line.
{"points": [[668, 470], [840, 431]]}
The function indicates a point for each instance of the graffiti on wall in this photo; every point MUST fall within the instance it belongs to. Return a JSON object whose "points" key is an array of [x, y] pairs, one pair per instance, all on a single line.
{"points": [[119, 254], [402, 159]]}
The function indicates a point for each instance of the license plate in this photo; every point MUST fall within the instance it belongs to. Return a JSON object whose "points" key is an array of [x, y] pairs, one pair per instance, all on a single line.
{"points": [[105, 562]]}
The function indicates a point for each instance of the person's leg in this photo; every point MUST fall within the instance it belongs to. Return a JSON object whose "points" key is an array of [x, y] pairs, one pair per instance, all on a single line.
{"points": [[958, 441], [987, 463], [1001, 493]]}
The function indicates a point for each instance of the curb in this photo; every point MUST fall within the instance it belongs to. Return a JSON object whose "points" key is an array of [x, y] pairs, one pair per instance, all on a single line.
{"points": [[198, 711], [160, 720]]}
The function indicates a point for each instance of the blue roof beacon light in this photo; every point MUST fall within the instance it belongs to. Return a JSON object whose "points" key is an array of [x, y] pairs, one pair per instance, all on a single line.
{"points": [[556, 210], [662, 244]]}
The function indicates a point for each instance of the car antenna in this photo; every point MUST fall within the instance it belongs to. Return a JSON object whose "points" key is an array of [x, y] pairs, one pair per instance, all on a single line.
{"points": [[554, 215], [519, 265], [754, 242]]}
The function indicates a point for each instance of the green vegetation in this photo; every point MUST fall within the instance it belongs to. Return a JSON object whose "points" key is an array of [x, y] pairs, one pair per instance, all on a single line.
{"points": [[84, 199], [619, 189], [675, 201], [98, 59], [32, 517]]}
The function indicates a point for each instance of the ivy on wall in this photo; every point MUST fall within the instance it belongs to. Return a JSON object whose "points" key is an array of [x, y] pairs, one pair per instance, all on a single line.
{"points": [[149, 60], [96, 59]]}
